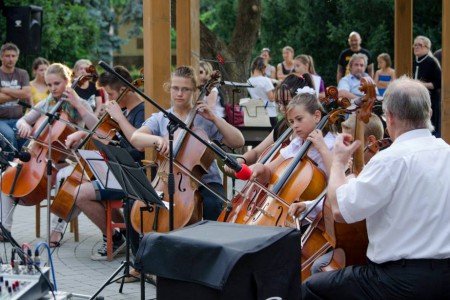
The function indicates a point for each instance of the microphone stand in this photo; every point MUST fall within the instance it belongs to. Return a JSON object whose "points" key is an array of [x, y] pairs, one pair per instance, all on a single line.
{"points": [[174, 123]]}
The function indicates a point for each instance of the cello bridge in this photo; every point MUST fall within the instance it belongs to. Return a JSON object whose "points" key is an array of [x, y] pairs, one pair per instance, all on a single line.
{"points": [[265, 213]]}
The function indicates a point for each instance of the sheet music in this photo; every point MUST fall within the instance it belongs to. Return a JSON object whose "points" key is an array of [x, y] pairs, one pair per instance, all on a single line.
{"points": [[238, 84], [100, 169]]}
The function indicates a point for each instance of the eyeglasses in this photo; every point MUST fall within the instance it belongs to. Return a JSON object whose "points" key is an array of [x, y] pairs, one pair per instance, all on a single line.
{"points": [[183, 90], [418, 45]]}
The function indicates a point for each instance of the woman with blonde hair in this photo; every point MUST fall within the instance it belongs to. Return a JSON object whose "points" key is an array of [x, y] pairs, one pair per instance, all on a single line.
{"points": [[214, 99], [287, 65]]}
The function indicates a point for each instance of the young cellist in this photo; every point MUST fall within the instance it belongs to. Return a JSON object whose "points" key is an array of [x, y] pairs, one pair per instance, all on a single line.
{"points": [[303, 113], [89, 196], [153, 133], [283, 94], [57, 78]]}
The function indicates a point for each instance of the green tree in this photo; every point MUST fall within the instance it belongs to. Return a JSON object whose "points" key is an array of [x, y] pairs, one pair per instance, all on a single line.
{"points": [[72, 30]]}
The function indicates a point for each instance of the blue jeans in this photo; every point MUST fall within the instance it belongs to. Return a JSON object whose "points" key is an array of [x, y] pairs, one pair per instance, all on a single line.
{"points": [[8, 129]]}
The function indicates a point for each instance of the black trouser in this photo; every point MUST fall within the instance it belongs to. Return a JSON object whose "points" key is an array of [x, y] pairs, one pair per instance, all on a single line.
{"points": [[404, 279]]}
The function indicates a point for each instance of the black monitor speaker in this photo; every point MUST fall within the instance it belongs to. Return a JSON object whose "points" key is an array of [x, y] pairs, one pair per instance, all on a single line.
{"points": [[24, 28], [221, 261]]}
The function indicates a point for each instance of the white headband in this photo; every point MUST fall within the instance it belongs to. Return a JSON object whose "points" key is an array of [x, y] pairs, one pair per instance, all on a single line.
{"points": [[306, 90]]}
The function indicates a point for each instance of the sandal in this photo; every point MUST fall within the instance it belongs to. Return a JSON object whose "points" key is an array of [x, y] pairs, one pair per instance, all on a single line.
{"points": [[56, 244]]}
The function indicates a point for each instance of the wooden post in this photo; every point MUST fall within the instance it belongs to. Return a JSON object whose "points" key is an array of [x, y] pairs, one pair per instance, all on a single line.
{"points": [[188, 32], [445, 89], [403, 55], [156, 27]]}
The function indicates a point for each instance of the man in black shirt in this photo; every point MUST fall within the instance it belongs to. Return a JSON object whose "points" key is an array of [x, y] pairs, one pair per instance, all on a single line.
{"points": [[354, 41]]}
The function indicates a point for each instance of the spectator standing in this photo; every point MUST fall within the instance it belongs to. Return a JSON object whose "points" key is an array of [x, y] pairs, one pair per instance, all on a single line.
{"points": [[385, 74], [286, 67], [271, 72], [426, 68], [38, 87], [354, 41], [263, 89]]}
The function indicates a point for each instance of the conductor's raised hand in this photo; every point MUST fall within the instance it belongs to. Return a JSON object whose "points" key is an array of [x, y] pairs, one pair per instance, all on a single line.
{"points": [[344, 147]]}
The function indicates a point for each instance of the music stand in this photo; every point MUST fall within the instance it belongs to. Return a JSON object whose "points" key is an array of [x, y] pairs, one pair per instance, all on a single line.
{"points": [[136, 186]]}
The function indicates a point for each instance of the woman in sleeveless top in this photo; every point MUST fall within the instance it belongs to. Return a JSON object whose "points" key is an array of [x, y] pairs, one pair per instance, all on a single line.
{"points": [[271, 72], [38, 87], [385, 74], [287, 66]]}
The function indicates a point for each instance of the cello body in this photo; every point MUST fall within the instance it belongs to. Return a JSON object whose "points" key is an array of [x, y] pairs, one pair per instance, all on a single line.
{"points": [[245, 202], [64, 202], [306, 182], [187, 199], [28, 180]]}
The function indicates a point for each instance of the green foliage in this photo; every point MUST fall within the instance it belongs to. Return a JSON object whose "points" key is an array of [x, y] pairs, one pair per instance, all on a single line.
{"points": [[219, 16], [320, 28], [72, 30]]}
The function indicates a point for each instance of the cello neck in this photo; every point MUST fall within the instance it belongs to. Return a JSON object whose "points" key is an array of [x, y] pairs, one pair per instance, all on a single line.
{"points": [[297, 158], [276, 146]]}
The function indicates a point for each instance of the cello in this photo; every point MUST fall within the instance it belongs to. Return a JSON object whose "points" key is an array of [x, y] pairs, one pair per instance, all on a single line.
{"points": [[26, 181], [351, 238], [242, 205], [64, 202], [188, 168]]}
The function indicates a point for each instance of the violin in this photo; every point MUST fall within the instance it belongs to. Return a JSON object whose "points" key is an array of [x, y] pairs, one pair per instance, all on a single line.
{"points": [[27, 181], [64, 202], [189, 166]]}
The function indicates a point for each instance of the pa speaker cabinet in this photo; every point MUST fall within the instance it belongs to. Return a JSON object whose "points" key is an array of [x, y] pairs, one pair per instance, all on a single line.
{"points": [[24, 28], [267, 266]]}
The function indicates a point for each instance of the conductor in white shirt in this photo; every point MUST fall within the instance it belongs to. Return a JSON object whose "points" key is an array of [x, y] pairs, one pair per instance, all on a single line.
{"points": [[403, 193]]}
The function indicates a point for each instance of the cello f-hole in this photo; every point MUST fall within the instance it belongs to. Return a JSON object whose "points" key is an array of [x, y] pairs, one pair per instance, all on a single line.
{"points": [[281, 210], [179, 182]]}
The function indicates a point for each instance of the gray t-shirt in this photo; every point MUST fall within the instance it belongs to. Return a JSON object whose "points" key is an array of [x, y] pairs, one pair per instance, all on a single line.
{"points": [[15, 80], [157, 124]]}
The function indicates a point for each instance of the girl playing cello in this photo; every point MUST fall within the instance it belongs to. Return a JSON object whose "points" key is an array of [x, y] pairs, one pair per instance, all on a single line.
{"points": [[303, 113], [283, 94], [57, 78], [153, 133]]}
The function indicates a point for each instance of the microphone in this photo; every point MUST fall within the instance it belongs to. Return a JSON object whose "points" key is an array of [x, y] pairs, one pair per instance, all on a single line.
{"points": [[23, 156], [245, 173], [242, 171]]}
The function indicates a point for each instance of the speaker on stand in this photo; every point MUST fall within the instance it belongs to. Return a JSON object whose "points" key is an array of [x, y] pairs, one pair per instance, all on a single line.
{"points": [[24, 28]]}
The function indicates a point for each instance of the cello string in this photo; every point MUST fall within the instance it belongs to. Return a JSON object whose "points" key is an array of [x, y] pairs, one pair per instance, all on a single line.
{"points": [[188, 173]]}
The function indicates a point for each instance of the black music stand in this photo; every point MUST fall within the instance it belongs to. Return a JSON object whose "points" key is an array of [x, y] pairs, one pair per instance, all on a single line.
{"points": [[136, 186]]}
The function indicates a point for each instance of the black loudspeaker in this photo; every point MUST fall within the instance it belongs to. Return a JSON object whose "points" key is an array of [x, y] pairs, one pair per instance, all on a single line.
{"points": [[24, 28], [212, 260]]}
